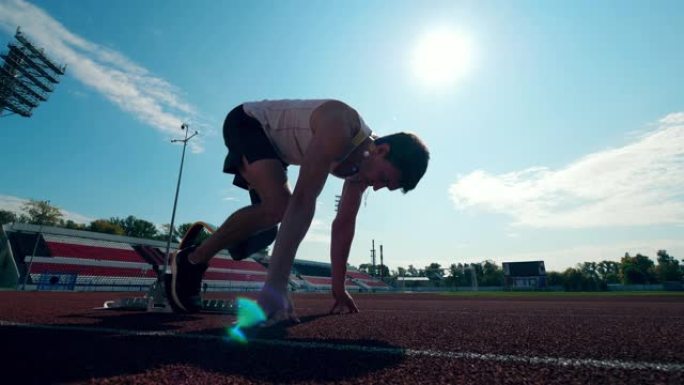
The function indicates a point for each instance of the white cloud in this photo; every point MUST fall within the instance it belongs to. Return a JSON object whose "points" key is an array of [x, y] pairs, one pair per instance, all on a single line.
{"points": [[641, 183], [16, 205], [110, 73], [319, 232]]}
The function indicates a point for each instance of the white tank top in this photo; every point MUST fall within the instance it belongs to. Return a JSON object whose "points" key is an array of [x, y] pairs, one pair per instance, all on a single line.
{"points": [[287, 124]]}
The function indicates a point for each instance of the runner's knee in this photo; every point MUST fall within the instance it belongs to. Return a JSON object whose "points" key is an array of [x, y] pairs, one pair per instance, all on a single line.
{"points": [[274, 207]]}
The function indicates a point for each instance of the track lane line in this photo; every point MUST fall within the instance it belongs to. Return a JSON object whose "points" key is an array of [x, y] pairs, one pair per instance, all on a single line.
{"points": [[504, 358]]}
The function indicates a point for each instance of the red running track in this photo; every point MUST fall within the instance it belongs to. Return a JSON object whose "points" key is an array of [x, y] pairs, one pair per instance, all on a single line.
{"points": [[396, 339]]}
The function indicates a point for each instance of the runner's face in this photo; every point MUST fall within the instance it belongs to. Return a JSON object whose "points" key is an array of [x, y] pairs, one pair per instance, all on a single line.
{"points": [[378, 172]]}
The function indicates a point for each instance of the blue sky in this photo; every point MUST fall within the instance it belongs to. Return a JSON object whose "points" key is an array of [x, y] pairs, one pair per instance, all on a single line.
{"points": [[556, 129]]}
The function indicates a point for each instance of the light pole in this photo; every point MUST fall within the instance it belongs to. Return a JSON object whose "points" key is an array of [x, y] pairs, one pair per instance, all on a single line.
{"points": [[35, 247], [175, 201]]}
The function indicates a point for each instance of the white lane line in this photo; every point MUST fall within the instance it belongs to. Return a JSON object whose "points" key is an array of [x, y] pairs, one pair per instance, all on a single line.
{"points": [[504, 358]]}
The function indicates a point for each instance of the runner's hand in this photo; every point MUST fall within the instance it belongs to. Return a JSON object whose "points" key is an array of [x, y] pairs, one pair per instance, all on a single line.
{"points": [[343, 301]]}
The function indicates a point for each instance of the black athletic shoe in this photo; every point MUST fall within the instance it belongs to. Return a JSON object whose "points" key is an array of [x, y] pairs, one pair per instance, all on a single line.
{"points": [[186, 282], [253, 244]]}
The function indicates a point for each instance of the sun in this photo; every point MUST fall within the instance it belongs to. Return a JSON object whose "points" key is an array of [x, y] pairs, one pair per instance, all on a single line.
{"points": [[441, 57]]}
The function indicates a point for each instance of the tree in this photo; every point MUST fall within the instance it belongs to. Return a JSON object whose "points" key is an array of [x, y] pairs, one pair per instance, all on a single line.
{"points": [[382, 270], [434, 271], [183, 228], [456, 275], [591, 278], [69, 224], [589, 270], [138, 228], [366, 268], [583, 278], [375, 271], [41, 213], [479, 273], [554, 278], [7, 217], [573, 279], [163, 235], [637, 270], [492, 274], [609, 271], [105, 226], [180, 231], [412, 271], [668, 267]]}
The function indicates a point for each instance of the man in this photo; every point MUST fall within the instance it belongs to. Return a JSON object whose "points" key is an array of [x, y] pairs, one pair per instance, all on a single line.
{"points": [[322, 137]]}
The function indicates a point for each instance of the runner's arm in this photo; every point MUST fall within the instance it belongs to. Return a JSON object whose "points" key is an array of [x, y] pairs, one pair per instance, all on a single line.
{"points": [[343, 228]]}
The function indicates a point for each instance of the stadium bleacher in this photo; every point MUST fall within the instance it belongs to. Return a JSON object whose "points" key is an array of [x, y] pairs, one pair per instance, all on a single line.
{"points": [[73, 247], [366, 281], [95, 261]]}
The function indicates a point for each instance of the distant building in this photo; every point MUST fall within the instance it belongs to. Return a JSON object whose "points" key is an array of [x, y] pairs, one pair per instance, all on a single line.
{"points": [[524, 275], [413, 282]]}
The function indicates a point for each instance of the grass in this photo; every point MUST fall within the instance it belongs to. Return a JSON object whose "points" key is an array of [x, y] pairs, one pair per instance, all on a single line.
{"points": [[552, 294]]}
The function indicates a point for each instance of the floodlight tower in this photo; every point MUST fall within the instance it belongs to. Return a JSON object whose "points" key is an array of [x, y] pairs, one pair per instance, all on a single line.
{"points": [[156, 300], [373, 273], [185, 141], [27, 76], [382, 263], [473, 275]]}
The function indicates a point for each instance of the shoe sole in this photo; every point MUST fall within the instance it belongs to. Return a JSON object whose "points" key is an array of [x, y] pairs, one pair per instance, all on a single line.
{"points": [[174, 275]]}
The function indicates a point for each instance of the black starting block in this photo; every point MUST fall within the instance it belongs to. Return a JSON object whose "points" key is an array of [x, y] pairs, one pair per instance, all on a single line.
{"points": [[155, 301]]}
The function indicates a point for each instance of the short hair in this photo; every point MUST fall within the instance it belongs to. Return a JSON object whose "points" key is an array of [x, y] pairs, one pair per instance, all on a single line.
{"points": [[409, 155]]}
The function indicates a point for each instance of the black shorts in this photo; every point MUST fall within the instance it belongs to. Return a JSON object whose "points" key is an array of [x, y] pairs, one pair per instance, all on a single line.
{"points": [[244, 136]]}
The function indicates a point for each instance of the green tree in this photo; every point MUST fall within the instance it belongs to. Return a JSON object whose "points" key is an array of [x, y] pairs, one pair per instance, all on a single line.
{"points": [[591, 278], [609, 271], [573, 280], [138, 228], [181, 230], [382, 270], [41, 213], [163, 235], [637, 270], [7, 217], [668, 268], [582, 278], [375, 271], [69, 224], [366, 268], [434, 271], [554, 278], [492, 274], [412, 271], [456, 276], [105, 226], [479, 273], [589, 270]]}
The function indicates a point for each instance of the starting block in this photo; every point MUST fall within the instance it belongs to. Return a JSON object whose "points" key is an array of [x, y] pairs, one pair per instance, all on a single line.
{"points": [[156, 299], [220, 306], [155, 302]]}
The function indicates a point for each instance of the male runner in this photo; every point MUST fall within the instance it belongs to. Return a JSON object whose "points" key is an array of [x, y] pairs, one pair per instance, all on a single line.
{"points": [[322, 137]]}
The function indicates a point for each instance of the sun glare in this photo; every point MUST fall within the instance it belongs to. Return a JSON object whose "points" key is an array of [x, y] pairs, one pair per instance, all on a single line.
{"points": [[441, 57]]}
